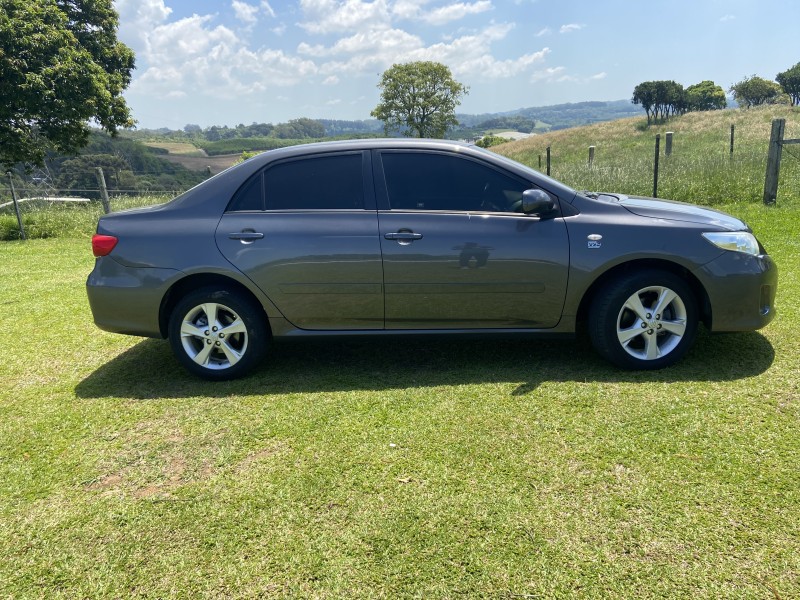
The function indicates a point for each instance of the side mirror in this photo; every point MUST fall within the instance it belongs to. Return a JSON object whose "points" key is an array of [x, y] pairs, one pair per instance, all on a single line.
{"points": [[537, 202]]}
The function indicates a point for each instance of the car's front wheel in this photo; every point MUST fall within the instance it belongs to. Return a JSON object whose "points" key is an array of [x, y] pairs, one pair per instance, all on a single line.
{"points": [[217, 333], [644, 320]]}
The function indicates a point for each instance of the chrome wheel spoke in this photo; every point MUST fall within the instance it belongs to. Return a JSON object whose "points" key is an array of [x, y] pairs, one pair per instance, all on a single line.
{"points": [[674, 327], [189, 330], [230, 353], [237, 326], [665, 298], [634, 303], [626, 335], [651, 347], [210, 308], [202, 357]]}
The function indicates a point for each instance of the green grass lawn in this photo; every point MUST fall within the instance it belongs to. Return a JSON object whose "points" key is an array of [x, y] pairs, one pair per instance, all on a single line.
{"points": [[392, 469]]}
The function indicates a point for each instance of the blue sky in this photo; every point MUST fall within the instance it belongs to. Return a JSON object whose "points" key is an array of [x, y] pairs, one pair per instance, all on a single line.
{"points": [[244, 61]]}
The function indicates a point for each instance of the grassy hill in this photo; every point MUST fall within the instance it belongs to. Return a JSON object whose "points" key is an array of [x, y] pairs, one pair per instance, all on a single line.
{"points": [[700, 169]]}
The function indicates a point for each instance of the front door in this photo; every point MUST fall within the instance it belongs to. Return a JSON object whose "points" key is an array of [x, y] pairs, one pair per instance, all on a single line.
{"points": [[457, 254]]}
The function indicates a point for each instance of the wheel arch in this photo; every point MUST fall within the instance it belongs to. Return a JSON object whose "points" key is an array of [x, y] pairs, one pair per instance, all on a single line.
{"points": [[699, 291], [195, 281]]}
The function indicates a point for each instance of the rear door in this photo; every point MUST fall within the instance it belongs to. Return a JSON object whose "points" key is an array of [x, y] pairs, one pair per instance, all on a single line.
{"points": [[305, 230], [457, 253]]}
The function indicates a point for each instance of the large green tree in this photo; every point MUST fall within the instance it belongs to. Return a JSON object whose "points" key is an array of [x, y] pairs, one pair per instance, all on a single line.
{"points": [[419, 99], [660, 99], [706, 95], [61, 66], [754, 91], [789, 80]]}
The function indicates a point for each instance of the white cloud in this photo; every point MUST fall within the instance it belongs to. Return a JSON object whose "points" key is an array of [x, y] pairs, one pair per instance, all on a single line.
{"points": [[138, 17], [549, 74], [571, 27], [599, 76], [193, 56], [267, 9], [246, 13], [454, 12], [727, 18], [330, 16], [544, 31], [196, 56]]}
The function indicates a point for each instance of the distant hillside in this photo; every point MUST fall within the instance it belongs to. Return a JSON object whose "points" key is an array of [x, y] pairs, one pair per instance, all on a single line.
{"points": [[700, 169], [563, 116]]}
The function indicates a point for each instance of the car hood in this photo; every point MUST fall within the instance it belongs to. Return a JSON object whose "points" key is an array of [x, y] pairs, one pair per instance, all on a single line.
{"points": [[680, 211]]}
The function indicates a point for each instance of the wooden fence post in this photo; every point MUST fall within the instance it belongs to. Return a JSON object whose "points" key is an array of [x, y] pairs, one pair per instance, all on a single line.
{"points": [[16, 206], [668, 147], [655, 167], [101, 180], [540, 162], [548, 161], [774, 161], [591, 156]]}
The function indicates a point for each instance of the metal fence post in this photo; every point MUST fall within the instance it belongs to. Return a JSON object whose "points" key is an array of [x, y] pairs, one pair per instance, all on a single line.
{"points": [[16, 206], [548, 160], [591, 156], [655, 167], [774, 161], [101, 181]]}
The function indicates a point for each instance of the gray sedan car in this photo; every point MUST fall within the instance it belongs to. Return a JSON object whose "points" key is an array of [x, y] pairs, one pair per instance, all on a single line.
{"points": [[419, 237]]}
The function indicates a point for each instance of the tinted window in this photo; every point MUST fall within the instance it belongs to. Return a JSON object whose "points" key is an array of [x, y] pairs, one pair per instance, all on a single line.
{"points": [[323, 182], [249, 196], [426, 181]]}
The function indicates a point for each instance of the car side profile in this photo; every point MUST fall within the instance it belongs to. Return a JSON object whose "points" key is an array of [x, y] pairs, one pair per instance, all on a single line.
{"points": [[419, 237]]}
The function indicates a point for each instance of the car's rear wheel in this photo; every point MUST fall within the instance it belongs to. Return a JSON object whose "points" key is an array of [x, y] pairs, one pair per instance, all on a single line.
{"points": [[644, 320], [217, 333]]}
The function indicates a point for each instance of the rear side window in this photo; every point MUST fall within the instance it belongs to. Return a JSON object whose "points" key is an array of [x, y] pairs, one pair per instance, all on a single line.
{"points": [[320, 182], [430, 181]]}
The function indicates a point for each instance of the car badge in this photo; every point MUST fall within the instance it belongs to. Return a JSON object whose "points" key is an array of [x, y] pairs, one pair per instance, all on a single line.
{"points": [[594, 240]]}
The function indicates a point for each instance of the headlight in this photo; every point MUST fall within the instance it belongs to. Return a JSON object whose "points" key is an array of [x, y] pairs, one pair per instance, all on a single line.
{"points": [[735, 241]]}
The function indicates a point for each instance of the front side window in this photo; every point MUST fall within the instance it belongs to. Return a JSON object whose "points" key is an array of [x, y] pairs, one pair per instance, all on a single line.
{"points": [[319, 182], [430, 181]]}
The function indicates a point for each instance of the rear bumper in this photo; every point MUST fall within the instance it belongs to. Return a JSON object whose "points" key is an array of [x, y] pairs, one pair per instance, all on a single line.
{"points": [[126, 299], [741, 289]]}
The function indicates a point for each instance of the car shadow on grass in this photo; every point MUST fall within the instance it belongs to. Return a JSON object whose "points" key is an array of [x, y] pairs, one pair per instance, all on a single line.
{"points": [[149, 371]]}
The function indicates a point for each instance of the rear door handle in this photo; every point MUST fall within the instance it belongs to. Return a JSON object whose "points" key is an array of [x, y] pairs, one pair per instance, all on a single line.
{"points": [[246, 236], [403, 236]]}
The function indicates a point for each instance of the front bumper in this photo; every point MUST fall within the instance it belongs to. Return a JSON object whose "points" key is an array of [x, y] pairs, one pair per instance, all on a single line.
{"points": [[127, 299], [741, 289]]}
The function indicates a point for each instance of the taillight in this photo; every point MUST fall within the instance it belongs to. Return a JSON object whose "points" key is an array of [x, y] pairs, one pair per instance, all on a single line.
{"points": [[103, 244]]}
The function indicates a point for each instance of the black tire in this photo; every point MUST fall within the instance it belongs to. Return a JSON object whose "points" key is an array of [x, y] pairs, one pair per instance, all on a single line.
{"points": [[228, 347], [654, 332]]}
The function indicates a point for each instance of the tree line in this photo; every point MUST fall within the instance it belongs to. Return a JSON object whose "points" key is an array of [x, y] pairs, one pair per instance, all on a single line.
{"points": [[663, 99]]}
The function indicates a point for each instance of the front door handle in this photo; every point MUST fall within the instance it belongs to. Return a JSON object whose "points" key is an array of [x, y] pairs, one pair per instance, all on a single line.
{"points": [[402, 236]]}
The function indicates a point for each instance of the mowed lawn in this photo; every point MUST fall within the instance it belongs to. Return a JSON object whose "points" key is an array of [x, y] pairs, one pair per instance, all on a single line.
{"points": [[393, 469]]}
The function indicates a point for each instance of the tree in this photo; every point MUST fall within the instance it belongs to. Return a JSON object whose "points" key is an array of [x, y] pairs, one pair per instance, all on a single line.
{"points": [[645, 94], [706, 95], [660, 99], [419, 98], [754, 91], [60, 66], [789, 80]]}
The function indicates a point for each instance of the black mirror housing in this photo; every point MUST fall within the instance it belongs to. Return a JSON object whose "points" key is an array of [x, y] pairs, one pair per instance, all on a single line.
{"points": [[537, 202]]}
